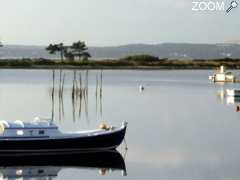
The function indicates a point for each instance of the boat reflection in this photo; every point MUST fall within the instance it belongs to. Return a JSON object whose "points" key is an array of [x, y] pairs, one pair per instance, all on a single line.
{"points": [[226, 99], [49, 165], [232, 100]]}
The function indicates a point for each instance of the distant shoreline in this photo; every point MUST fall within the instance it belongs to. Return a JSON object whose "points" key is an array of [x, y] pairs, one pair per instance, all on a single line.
{"points": [[121, 64], [42, 67], [100, 68]]}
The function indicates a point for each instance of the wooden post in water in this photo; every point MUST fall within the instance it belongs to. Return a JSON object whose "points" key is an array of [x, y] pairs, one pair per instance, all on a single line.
{"points": [[86, 95], [53, 90], [80, 95], [59, 96], [96, 94], [101, 90], [62, 89], [73, 96]]}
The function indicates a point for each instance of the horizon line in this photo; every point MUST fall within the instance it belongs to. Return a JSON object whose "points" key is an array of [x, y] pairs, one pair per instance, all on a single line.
{"points": [[129, 44]]}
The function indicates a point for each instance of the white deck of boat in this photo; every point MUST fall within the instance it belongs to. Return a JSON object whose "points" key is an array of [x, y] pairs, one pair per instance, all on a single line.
{"points": [[20, 124]]}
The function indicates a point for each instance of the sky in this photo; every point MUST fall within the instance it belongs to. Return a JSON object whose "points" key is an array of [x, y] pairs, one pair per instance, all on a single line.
{"points": [[112, 22]]}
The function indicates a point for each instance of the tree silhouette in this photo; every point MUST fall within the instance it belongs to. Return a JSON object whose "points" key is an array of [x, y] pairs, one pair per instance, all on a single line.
{"points": [[68, 55], [79, 49], [1, 45], [53, 48], [86, 56], [61, 49]]}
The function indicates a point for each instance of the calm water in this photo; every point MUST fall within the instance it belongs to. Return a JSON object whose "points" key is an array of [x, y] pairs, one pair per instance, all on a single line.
{"points": [[179, 127]]}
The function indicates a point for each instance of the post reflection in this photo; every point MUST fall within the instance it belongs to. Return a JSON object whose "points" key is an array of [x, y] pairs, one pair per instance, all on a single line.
{"points": [[98, 93], [76, 87]]}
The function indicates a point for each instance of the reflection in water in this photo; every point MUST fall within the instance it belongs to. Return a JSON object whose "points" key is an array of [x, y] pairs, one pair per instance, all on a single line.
{"points": [[79, 93], [221, 95], [196, 140], [49, 165], [232, 100], [228, 100], [60, 95], [52, 94], [98, 93]]}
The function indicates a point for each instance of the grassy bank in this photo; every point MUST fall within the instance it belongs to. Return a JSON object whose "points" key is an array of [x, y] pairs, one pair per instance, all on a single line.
{"points": [[133, 62]]}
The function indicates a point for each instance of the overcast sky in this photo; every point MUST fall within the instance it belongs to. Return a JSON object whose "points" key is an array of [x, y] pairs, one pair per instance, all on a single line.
{"points": [[112, 22]]}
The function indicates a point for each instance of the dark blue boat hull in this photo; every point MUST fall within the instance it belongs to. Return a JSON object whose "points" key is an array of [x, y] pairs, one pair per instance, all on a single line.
{"points": [[106, 141]]}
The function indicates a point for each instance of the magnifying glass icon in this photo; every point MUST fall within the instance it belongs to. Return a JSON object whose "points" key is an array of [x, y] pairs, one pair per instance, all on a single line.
{"points": [[233, 4]]}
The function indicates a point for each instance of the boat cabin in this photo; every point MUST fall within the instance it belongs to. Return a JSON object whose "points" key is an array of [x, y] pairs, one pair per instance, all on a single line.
{"points": [[18, 129], [222, 76]]}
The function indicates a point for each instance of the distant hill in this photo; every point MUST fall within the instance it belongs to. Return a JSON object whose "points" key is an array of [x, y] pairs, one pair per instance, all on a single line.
{"points": [[166, 50]]}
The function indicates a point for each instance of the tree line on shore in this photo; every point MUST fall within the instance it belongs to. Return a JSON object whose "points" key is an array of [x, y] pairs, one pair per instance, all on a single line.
{"points": [[77, 55], [76, 50]]}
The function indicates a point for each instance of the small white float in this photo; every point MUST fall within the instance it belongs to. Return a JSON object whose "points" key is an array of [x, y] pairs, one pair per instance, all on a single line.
{"points": [[141, 88]]}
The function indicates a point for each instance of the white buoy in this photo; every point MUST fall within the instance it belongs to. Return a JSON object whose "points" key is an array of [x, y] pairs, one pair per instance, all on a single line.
{"points": [[141, 88]]}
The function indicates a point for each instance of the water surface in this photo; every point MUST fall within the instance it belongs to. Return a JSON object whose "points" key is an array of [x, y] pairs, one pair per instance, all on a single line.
{"points": [[179, 127]]}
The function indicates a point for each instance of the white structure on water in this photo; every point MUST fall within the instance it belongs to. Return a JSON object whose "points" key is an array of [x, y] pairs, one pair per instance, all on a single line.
{"points": [[222, 76], [233, 92]]}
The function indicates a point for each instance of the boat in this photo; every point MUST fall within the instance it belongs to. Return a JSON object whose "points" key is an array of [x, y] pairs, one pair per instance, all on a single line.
{"points": [[222, 76], [233, 92], [41, 136], [49, 165]]}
